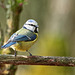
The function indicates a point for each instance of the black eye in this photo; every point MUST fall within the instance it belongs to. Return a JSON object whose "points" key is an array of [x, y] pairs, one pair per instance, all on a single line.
{"points": [[32, 25]]}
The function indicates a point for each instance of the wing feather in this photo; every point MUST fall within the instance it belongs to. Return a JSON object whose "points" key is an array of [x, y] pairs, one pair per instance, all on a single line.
{"points": [[24, 38], [20, 35], [30, 36]]}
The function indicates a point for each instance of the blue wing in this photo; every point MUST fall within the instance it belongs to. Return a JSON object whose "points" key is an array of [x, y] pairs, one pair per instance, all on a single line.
{"points": [[18, 37], [8, 44], [15, 38], [24, 38]]}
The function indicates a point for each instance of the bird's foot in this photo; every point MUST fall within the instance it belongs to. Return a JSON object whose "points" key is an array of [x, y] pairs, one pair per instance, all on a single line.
{"points": [[29, 52], [15, 53]]}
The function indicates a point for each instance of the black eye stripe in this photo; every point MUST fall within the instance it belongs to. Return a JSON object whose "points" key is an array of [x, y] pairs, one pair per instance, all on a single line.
{"points": [[32, 25]]}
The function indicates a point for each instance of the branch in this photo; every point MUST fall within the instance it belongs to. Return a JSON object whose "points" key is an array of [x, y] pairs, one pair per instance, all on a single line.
{"points": [[37, 60]]}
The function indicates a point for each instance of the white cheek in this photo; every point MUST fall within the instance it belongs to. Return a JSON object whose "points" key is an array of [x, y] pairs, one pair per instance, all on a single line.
{"points": [[30, 27]]}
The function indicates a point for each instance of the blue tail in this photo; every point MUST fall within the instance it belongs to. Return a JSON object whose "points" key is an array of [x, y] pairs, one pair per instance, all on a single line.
{"points": [[8, 44]]}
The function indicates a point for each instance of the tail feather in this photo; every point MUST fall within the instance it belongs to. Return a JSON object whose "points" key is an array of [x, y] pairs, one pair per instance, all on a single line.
{"points": [[8, 44]]}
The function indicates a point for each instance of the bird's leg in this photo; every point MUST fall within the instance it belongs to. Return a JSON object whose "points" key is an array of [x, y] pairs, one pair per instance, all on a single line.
{"points": [[29, 52], [15, 53]]}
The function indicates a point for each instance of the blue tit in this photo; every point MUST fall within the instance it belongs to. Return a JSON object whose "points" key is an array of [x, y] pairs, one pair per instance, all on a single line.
{"points": [[24, 38]]}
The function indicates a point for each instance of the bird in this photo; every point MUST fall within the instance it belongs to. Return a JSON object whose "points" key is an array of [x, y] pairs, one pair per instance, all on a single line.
{"points": [[24, 38]]}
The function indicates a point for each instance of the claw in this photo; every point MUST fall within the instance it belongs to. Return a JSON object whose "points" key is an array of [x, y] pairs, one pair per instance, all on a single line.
{"points": [[29, 52]]}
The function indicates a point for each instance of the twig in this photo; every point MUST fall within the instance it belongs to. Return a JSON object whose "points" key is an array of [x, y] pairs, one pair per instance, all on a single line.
{"points": [[37, 60]]}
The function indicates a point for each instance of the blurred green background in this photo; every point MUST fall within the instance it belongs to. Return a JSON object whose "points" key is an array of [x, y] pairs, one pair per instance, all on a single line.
{"points": [[56, 20]]}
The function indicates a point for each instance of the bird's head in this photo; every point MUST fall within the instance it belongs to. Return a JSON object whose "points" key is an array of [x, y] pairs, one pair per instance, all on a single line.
{"points": [[31, 25]]}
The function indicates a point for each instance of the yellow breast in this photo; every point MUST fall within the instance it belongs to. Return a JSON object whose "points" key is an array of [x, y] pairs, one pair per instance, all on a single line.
{"points": [[23, 46]]}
